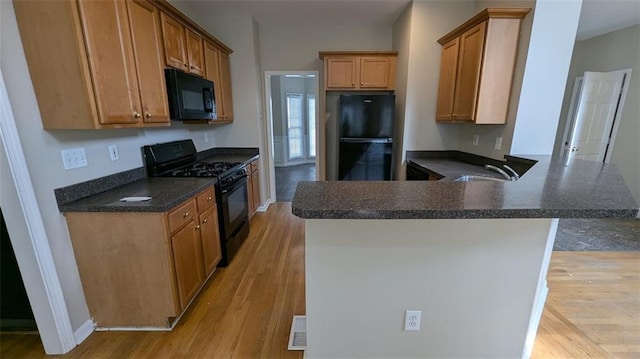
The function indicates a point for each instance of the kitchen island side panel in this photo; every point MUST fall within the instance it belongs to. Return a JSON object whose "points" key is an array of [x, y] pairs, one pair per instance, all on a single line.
{"points": [[475, 281]]}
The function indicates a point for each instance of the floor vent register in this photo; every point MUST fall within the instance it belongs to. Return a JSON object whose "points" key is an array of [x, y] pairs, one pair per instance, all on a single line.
{"points": [[298, 334]]}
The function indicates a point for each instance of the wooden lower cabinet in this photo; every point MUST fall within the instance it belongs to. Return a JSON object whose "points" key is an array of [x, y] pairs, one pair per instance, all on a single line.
{"points": [[142, 269], [253, 187], [187, 258]]}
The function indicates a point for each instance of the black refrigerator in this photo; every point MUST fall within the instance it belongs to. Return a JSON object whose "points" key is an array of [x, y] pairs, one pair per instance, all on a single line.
{"points": [[365, 131]]}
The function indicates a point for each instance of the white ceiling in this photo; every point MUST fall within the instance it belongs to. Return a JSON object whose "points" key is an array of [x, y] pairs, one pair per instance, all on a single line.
{"points": [[601, 16], [597, 17]]}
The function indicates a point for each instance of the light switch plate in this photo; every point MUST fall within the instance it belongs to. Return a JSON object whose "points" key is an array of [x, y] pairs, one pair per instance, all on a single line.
{"points": [[113, 152], [74, 158], [498, 145]]}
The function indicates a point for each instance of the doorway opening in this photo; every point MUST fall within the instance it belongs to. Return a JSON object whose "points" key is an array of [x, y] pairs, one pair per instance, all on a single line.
{"points": [[292, 101], [15, 311], [594, 115]]}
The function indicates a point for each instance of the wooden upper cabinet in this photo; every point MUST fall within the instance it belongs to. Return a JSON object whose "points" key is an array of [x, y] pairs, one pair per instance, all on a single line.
{"points": [[100, 78], [225, 99], [342, 72], [144, 20], [477, 67], [173, 34], [183, 47], [100, 64], [110, 49], [195, 53], [447, 82], [468, 73], [362, 70], [374, 73], [218, 70]]}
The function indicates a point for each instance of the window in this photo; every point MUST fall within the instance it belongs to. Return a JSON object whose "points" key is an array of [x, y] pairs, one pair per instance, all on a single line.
{"points": [[311, 119], [295, 125]]}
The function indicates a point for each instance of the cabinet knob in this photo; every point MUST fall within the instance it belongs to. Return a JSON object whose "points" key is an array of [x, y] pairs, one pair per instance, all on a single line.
{"points": [[185, 215], [198, 227], [209, 198], [147, 115], [136, 115], [353, 83], [204, 220]]}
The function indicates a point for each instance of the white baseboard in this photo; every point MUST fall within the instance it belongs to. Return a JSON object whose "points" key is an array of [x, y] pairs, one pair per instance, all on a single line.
{"points": [[83, 331], [265, 206]]}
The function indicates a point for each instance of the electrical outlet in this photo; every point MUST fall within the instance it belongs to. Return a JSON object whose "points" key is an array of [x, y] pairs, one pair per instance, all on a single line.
{"points": [[113, 152], [412, 320], [74, 158], [498, 145], [476, 139]]}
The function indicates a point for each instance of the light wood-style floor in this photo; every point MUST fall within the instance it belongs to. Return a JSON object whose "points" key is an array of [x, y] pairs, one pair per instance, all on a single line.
{"points": [[245, 310]]}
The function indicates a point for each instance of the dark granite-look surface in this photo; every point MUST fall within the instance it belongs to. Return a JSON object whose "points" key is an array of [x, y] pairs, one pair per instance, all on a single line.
{"points": [[165, 193], [549, 189], [229, 154], [103, 194], [77, 191]]}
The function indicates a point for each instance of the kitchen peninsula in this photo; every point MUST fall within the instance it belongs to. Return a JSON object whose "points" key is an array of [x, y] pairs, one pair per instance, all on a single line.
{"points": [[472, 256]]}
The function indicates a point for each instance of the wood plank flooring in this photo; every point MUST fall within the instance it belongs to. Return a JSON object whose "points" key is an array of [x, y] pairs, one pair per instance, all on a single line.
{"points": [[245, 310]]}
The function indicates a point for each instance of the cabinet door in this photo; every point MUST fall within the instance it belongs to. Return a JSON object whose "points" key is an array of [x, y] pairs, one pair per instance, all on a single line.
{"points": [[374, 72], [225, 86], [468, 75], [195, 53], [211, 250], [187, 258], [447, 82], [341, 72], [173, 36], [255, 188], [111, 61], [144, 19], [250, 201], [212, 73]]}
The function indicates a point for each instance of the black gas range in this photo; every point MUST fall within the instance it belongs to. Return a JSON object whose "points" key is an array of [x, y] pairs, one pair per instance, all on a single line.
{"points": [[180, 159]]}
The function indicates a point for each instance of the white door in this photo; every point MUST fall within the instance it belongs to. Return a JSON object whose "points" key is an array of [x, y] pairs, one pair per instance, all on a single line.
{"points": [[596, 111]]}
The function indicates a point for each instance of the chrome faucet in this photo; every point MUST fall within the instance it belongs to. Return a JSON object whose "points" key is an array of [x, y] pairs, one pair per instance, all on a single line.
{"points": [[515, 174], [503, 173]]}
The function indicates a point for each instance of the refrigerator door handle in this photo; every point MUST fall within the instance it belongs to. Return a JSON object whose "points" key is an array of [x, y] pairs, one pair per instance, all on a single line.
{"points": [[366, 140]]}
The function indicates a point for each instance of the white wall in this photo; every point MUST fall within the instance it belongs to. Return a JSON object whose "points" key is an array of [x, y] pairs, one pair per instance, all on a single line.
{"points": [[613, 51], [488, 133], [474, 281], [551, 45], [42, 152], [416, 36]]}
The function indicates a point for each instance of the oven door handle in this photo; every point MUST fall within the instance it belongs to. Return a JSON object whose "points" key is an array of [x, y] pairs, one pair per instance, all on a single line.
{"points": [[236, 185]]}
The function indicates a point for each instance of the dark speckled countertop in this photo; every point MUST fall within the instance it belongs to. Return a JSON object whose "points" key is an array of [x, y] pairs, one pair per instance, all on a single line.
{"points": [[548, 189], [165, 193], [104, 194]]}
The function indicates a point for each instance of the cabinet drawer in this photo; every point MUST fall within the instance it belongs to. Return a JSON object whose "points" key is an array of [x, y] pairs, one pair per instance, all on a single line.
{"points": [[206, 200], [181, 215]]}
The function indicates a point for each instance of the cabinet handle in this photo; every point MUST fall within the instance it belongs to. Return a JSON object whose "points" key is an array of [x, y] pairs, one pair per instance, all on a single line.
{"points": [[185, 215], [148, 115], [136, 115], [198, 227], [204, 220]]}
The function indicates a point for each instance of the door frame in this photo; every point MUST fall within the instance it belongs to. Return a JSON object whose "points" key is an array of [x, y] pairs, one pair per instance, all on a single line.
{"points": [[271, 192], [52, 316], [571, 116]]}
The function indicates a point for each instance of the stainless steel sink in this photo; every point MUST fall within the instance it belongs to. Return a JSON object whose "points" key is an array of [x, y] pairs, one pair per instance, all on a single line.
{"points": [[472, 178]]}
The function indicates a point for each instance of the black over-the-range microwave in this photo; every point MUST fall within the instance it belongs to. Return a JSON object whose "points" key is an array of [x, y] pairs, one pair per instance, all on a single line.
{"points": [[190, 97]]}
